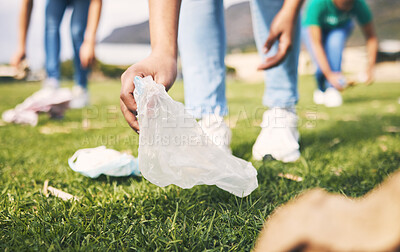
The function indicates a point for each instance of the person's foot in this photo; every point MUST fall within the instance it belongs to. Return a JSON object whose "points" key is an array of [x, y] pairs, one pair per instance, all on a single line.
{"points": [[332, 98], [217, 130], [318, 97], [50, 83], [57, 111], [278, 137], [80, 97]]}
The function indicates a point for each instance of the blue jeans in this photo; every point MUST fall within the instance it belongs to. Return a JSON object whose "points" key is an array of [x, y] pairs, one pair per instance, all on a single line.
{"points": [[202, 45], [54, 13], [334, 42]]}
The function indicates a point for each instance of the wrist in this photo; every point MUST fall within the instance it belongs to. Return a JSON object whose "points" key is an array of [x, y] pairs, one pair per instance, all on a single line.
{"points": [[164, 58], [88, 45], [166, 52], [289, 14], [21, 48], [89, 39], [328, 74]]}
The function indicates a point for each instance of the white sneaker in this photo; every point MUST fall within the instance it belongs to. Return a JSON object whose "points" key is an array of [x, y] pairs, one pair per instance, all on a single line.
{"points": [[217, 130], [50, 83], [279, 136], [80, 97], [319, 97], [332, 98]]}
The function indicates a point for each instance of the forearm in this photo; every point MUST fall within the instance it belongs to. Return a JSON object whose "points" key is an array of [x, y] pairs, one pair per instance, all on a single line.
{"points": [[372, 50], [93, 21], [24, 20], [321, 58], [292, 7], [319, 51], [163, 21], [372, 44], [161, 63]]}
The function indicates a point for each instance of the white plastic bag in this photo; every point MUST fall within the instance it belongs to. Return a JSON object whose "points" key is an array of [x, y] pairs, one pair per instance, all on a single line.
{"points": [[93, 162], [173, 149], [53, 101]]}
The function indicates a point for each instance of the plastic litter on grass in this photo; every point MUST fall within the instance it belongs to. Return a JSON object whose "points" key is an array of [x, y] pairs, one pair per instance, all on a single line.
{"points": [[173, 149]]}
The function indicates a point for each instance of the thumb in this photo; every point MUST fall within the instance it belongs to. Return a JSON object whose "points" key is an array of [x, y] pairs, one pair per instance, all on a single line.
{"points": [[270, 42], [277, 58]]}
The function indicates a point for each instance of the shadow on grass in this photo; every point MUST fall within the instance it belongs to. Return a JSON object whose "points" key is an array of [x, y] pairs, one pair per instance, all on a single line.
{"points": [[318, 146], [244, 149], [125, 181], [351, 147], [367, 99], [275, 190], [349, 133]]}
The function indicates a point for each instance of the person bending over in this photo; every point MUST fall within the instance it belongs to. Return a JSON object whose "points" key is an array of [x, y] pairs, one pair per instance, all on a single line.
{"points": [[327, 24], [202, 50]]}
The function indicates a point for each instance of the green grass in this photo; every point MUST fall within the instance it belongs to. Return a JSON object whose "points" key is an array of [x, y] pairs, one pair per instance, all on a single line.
{"points": [[346, 150]]}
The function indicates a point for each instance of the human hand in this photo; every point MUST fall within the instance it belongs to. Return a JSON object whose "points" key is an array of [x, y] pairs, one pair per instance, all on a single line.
{"points": [[337, 80], [370, 77], [281, 29], [18, 57], [87, 54], [163, 70]]}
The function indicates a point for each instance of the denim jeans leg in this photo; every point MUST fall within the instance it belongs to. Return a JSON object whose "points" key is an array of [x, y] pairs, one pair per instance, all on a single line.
{"points": [[280, 81], [54, 13], [202, 46], [320, 77], [334, 44], [78, 27]]}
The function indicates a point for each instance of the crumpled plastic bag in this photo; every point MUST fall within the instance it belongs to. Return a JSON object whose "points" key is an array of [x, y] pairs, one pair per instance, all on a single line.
{"points": [[53, 101], [93, 162], [173, 149]]}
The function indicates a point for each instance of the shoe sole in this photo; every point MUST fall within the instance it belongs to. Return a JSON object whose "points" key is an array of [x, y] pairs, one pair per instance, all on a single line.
{"points": [[292, 157]]}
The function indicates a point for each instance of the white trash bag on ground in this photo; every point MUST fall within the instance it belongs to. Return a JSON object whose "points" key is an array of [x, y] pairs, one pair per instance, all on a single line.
{"points": [[173, 149], [93, 162], [52, 101]]}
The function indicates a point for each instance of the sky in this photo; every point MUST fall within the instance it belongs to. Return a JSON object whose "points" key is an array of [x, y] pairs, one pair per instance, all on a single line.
{"points": [[115, 13]]}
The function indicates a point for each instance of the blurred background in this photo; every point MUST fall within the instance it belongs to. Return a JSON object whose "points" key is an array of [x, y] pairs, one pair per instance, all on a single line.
{"points": [[347, 150], [123, 39]]}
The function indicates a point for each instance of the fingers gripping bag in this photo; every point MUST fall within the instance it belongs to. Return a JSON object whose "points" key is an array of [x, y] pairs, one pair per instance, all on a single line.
{"points": [[173, 149]]}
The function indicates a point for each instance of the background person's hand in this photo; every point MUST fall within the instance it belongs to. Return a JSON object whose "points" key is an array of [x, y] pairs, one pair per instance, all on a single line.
{"points": [[370, 77], [87, 54], [17, 58], [337, 79], [163, 70], [281, 29]]}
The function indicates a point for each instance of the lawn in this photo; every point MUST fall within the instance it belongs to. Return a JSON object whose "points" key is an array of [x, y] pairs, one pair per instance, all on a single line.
{"points": [[346, 150]]}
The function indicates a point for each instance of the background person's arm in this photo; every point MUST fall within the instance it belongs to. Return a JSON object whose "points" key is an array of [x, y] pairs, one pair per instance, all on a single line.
{"points": [[161, 64], [87, 50], [372, 50], [24, 20], [281, 29], [334, 78]]}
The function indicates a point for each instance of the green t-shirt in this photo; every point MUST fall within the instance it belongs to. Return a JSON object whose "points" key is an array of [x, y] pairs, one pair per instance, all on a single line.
{"points": [[325, 14]]}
